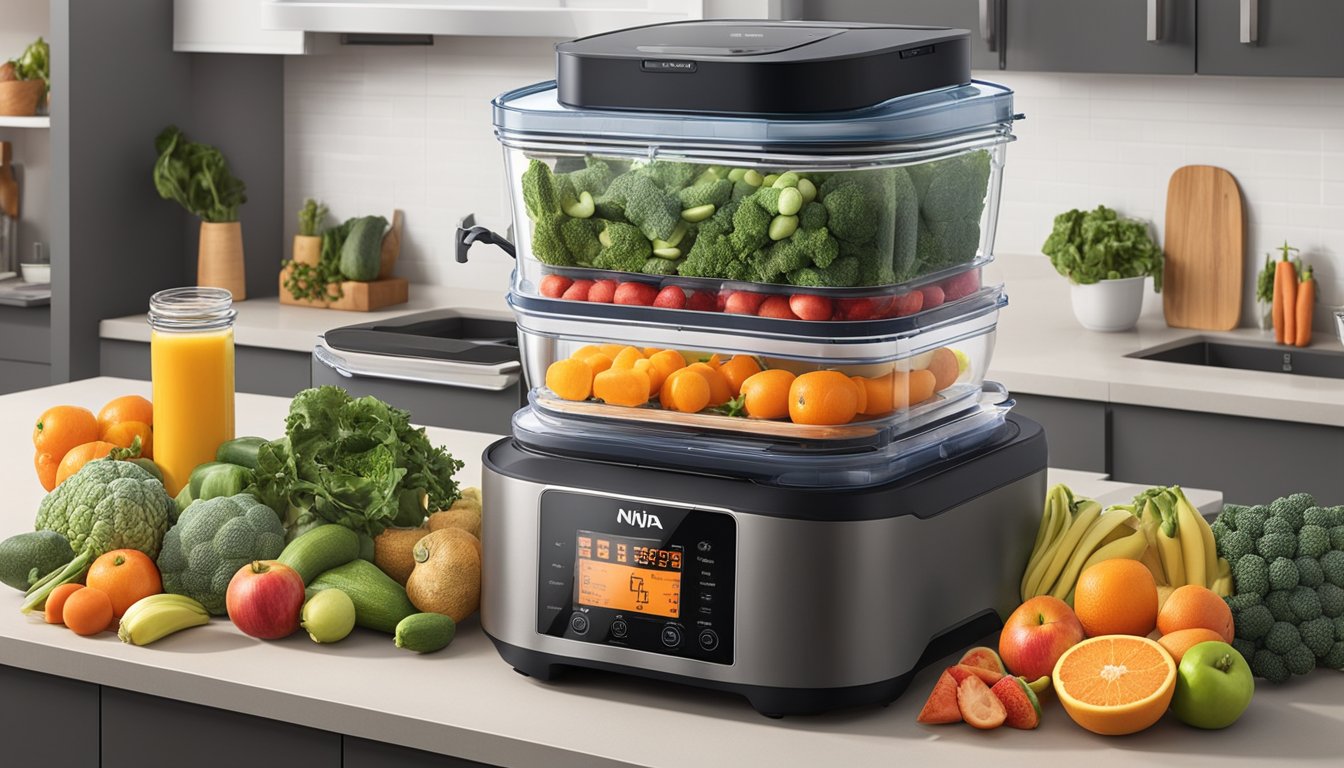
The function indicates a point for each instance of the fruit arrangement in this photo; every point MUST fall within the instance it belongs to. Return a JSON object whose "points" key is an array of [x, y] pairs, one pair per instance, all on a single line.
{"points": [[67, 437], [742, 386], [781, 306]]}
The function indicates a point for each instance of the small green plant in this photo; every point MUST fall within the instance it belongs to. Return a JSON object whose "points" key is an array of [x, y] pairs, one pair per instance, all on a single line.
{"points": [[322, 281], [1091, 246], [33, 64], [311, 216], [196, 176]]}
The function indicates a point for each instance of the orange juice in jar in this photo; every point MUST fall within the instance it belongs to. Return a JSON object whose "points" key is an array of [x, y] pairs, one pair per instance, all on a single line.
{"points": [[191, 364]]}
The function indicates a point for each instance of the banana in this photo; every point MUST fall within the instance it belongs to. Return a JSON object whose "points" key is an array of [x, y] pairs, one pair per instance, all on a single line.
{"points": [[1168, 545], [1065, 512], [1092, 539], [1131, 547], [1054, 520], [1222, 585], [1151, 560], [1192, 544], [1087, 514], [157, 616], [1206, 539]]}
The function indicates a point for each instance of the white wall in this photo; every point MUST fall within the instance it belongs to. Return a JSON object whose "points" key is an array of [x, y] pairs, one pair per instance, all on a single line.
{"points": [[21, 22]]}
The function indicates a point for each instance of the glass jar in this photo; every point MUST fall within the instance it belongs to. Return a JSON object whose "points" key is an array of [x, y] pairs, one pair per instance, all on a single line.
{"points": [[191, 364]]}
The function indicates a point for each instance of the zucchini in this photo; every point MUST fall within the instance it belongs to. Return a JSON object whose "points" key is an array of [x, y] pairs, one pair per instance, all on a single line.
{"points": [[425, 632], [241, 451], [321, 549], [362, 250], [27, 557], [380, 602]]}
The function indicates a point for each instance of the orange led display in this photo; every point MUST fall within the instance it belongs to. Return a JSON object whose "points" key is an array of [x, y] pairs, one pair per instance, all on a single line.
{"points": [[623, 588]]}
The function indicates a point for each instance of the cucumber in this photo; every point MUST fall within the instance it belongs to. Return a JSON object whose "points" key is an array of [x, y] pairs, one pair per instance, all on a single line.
{"points": [[361, 252], [380, 602], [27, 557], [425, 632], [241, 451], [321, 549]]}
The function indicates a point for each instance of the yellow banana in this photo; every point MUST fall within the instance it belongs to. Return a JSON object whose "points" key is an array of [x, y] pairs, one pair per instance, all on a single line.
{"points": [[157, 616], [1087, 514], [1169, 550], [1150, 559], [1054, 521], [1131, 547], [1206, 539], [1192, 544], [1092, 539], [1222, 584]]}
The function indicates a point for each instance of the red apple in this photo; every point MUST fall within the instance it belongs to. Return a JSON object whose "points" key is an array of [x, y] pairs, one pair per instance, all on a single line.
{"points": [[554, 286], [635, 294], [671, 297], [743, 303], [578, 290], [811, 307], [602, 292], [1037, 634], [703, 301], [776, 307], [265, 598]]}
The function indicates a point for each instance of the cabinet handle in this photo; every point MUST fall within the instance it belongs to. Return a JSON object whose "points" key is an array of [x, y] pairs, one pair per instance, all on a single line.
{"points": [[987, 24], [1155, 21], [1250, 21]]}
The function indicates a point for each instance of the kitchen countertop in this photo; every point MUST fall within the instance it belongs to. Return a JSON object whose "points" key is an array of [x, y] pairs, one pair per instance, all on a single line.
{"points": [[465, 701]]}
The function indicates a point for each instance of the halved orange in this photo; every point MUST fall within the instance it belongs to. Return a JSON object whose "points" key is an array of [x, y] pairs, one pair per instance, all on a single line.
{"points": [[1115, 684]]}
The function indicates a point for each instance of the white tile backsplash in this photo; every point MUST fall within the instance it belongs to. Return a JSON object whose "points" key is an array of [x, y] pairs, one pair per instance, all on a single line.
{"points": [[373, 128]]}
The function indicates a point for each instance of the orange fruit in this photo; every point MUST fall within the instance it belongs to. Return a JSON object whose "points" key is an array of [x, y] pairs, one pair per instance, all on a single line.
{"points": [[685, 390], [877, 395], [47, 466], [63, 427], [53, 610], [1115, 684], [944, 367], [597, 362], [88, 611], [622, 386], [862, 389], [719, 390], [656, 377], [922, 386], [738, 370], [123, 433], [1116, 597], [823, 398], [766, 394], [611, 350], [667, 361], [570, 379], [81, 455], [1182, 640], [584, 351], [126, 408], [626, 358], [1193, 606], [125, 576]]}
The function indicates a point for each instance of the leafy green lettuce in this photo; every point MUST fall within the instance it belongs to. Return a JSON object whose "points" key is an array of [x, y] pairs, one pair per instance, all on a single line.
{"points": [[356, 462], [1091, 246]]}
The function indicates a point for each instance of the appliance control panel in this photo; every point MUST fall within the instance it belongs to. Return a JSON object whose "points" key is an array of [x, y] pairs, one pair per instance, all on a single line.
{"points": [[652, 576]]}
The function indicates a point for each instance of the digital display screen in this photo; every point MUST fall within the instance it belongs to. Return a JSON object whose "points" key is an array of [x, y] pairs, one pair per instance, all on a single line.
{"points": [[626, 574]]}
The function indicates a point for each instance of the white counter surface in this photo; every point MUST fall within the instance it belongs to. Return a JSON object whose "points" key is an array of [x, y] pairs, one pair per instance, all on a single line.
{"points": [[465, 701]]}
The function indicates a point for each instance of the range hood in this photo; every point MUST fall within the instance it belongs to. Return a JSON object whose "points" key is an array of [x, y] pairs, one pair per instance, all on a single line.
{"points": [[512, 18]]}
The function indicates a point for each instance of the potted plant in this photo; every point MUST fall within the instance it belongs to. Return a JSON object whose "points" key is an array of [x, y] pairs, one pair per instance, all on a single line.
{"points": [[308, 242], [25, 81], [1106, 259], [197, 176]]}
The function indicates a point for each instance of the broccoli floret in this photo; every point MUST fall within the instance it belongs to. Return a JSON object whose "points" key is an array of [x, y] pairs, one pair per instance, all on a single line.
{"points": [[1220, 527], [540, 197], [1318, 634], [944, 244], [768, 198], [842, 273], [1242, 601], [1269, 665], [212, 540], [1317, 516], [715, 192], [813, 216], [1313, 541], [624, 248], [951, 198], [1282, 637], [613, 203], [850, 213], [1334, 658], [1332, 600], [1245, 647], [1253, 623], [1335, 516], [721, 223], [711, 256], [742, 190], [1300, 660], [1337, 537], [1277, 524], [802, 249], [580, 237], [1280, 606], [1309, 572], [1229, 514], [654, 211], [1250, 574], [1339, 627], [1332, 563], [1291, 508], [1306, 604], [751, 227], [548, 243], [1283, 574], [671, 175], [874, 262], [1252, 522], [1233, 545], [1273, 545], [592, 179], [660, 266]]}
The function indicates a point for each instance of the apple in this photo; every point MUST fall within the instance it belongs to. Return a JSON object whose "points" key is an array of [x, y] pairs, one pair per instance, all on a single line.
{"points": [[264, 599], [602, 292], [554, 286], [776, 307], [671, 297], [1214, 686], [577, 291], [811, 307], [635, 294], [1037, 634], [743, 303], [703, 301]]}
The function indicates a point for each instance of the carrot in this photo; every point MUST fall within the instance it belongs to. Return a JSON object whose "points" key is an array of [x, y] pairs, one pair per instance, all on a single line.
{"points": [[1285, 300], [1306, 298]]}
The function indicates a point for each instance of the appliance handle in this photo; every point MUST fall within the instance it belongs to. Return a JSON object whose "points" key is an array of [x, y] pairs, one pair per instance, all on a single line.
{"points": [[1250, 21], [1155, 14], [468, 234], [343, 368], [987, 23]]}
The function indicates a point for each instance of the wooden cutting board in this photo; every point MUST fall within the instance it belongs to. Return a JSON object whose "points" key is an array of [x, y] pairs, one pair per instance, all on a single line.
{"points": [[1205, 250]]}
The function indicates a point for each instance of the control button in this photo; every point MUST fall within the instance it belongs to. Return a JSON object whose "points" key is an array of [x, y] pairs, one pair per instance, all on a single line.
{"points": [[706, 597], [709, 639], [671, 636], [619, 629], [578, 623], [705, 610], [704, 546]]}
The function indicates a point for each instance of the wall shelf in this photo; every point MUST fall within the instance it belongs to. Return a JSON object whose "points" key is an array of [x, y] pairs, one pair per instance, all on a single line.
{"points": [[41, 121]]}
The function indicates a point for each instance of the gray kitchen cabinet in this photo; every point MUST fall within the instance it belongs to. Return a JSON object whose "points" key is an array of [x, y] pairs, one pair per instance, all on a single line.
{"points": [[1132, 36], [18, 375], [1287, 38], [47, 721], [363, 753], [982, 17], [257, 370], [1075, 430], [25, 348]]}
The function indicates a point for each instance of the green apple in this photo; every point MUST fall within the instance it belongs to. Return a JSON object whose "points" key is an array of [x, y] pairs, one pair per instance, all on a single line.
{"points": [[1214, 686]]}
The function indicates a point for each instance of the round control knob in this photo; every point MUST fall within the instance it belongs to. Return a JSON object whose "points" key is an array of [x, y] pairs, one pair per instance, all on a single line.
{"points": [[578, 624], [619, 629], [671, 635], [709, 639]]}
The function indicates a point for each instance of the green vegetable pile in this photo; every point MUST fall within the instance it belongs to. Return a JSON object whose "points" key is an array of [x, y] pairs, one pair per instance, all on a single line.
{"points": [[1088, 247], [1288, 570], [211, 541], [197, 176], [351, 250], [356, 462], [857, 228]]}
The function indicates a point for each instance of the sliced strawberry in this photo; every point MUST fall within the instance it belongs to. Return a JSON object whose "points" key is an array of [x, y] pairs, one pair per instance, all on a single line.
{"points": [[933, 296], [671, 297], [1019, 702], [578, 290], [978, 706], [811, 307], [554, 286], [702, 301], [635, 294], [776, 307], [942, 704], [603, 291], [743, 303]]}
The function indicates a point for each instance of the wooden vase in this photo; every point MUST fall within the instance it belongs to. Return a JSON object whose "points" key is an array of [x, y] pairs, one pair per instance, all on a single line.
{"points": [[19, 98], [219, 262], [307, 249]]}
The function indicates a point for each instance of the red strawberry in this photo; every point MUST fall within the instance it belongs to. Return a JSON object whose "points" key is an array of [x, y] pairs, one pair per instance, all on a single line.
{"points": [[933, 296], [964, 284], [978, 705], [603, 291], [1019, 701], [811, 307], [702, 301], [906, 304], [671, 297], [777, 307], [743, 303], [554, 286], [578, 290], [637, 294], [942, 704]]}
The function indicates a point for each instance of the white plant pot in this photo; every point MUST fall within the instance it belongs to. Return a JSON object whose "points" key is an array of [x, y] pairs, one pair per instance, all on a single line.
{"points": [[1108, 305]]}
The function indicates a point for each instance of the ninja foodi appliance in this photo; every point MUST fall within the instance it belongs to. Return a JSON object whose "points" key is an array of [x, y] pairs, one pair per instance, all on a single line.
{"points": [[849, 498]]}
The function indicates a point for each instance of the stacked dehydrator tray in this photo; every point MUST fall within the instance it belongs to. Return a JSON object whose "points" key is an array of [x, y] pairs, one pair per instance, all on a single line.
{"points": [[760, 453]]}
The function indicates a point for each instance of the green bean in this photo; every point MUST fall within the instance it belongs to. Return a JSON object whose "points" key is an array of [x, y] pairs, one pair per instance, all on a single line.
{"points": [[783, 226], [698, 213]]}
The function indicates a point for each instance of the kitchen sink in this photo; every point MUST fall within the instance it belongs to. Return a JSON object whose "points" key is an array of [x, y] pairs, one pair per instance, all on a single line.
{"points": [[1248, 357], [439, 334]]}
